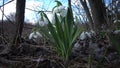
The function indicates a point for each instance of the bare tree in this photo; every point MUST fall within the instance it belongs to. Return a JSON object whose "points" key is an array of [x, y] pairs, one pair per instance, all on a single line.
{"points": [[20, 10]]}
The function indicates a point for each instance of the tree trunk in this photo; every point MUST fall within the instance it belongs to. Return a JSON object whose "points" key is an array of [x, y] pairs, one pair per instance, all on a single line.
{"points": [[20, 10], [69, 4], [98, 14], [84, 4]]}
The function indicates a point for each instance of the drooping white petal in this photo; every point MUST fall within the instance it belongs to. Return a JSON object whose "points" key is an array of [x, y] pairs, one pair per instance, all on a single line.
{"points": [[93, 32], [60, 10], [63, 13], [53, 18], [76, 45], [61, 7], [82, 36], [38, 34], [115, 21], [43, 22], [34, 36], [88, 34], [31, 35], [116, 31], [56, 10]]}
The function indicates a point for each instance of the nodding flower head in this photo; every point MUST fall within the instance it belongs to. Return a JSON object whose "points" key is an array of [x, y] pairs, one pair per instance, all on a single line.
{"points": [[35, 35], [53, 18], [116, 21], [43, 21], [82, 36], [60, 10], [116, 32], [85, 35]]}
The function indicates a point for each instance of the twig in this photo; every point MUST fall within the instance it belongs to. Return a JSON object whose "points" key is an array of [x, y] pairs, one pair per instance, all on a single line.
{"points": [[4, 39], [6, 3]]}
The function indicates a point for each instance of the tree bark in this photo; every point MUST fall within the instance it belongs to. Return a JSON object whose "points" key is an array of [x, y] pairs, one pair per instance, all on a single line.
{"points": [[20, 10], [84, 4], [69, 4], [98, 14]]}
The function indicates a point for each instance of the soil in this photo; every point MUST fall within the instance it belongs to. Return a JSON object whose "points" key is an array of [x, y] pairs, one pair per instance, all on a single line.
{"points": [[32, 54]]}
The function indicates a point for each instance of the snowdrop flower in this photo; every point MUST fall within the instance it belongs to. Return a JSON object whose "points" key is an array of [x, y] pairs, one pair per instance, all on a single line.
{"points": [[53, 18], [76, 19], [35, 35], [61, 10], [43, 21], [63, 13], [119, 9], [115, 21], [82, 36], [88, 34], [49, 32], [116, 31], [77, 47], [93, 32]]}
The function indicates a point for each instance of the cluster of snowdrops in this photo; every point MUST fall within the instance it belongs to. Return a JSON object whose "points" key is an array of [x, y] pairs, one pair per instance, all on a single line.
{"points": [[62, 30]]}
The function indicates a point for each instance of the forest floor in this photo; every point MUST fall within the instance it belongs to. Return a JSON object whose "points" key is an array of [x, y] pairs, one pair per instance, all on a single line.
{"points": [[32, 54]]}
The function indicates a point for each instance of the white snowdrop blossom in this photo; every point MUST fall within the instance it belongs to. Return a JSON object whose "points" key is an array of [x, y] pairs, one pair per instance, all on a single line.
{"points": [[76, 45], [116, 31], [49, 32], [35, 35], [43, 22], [93, 32], [76, 19], [88, 34], [119, 9], [53, 18], [61, 10], [115, 21], [82, 36]]}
